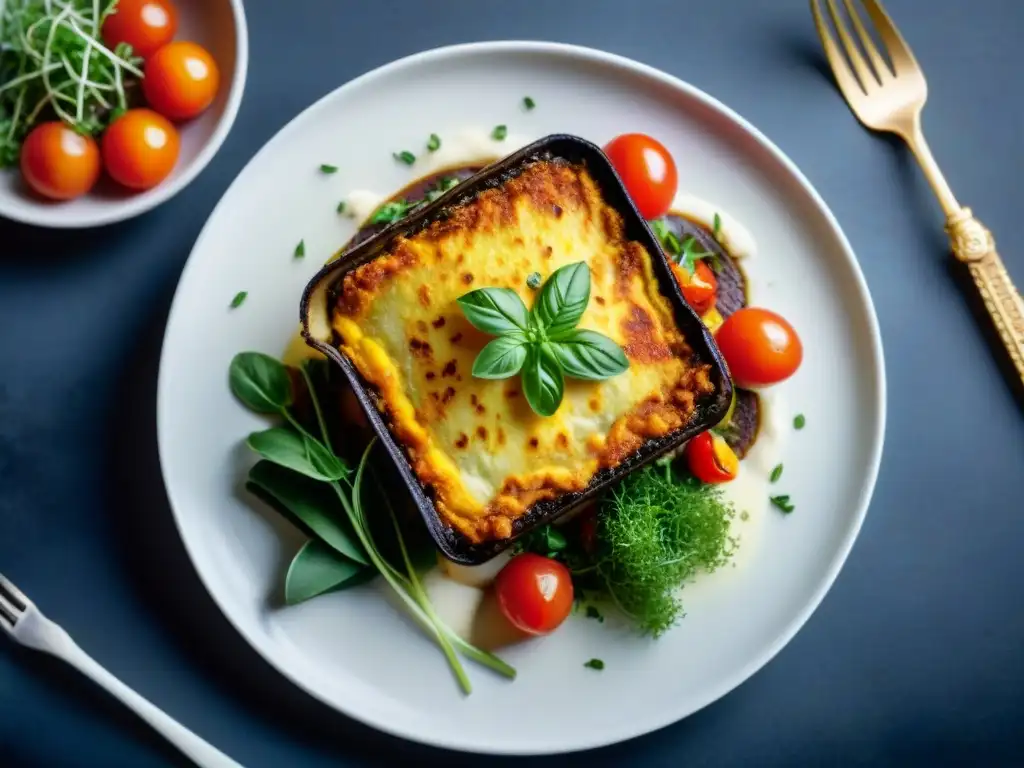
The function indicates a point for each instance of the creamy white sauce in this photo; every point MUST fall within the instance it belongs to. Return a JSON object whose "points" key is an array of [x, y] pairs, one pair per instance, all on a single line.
{"points": [[459, 593]]}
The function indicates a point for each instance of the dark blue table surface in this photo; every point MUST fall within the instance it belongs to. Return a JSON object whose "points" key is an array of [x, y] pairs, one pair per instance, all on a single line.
{"points": [[915, 657]]}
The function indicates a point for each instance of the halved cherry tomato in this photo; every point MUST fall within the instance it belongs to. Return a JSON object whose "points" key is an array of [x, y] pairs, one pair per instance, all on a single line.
{"points": [[711, 460], [181, 80], [700, 288], [648, 171], [140, 149], [760, 347], [534, 592], [144, 24], [59, 163]]}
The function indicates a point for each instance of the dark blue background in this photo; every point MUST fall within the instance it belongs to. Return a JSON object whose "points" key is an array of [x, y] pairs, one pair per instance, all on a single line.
{"points": [[916, 655]]}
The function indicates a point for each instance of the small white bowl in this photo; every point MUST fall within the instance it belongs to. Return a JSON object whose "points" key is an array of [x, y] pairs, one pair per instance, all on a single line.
{"points": [[217, 25]]}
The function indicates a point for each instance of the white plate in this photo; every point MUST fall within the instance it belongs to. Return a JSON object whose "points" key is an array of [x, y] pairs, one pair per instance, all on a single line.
{"points": [[354, 650]]}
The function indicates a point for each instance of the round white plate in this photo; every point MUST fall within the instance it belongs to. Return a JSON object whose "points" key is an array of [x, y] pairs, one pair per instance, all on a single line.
{"points": [[356, 651]]}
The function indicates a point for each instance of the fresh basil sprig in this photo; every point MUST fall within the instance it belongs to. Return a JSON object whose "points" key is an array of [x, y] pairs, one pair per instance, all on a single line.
{"points": [[543, 344]]}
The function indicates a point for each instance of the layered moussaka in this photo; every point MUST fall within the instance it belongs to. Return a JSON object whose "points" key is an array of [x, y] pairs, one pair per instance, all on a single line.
{"points": [[475, 444]]}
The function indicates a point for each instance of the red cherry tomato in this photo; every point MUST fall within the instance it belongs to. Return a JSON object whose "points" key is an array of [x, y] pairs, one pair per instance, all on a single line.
{"points": [[711, 460], [181, 80], [144, 24], [648, 171], [700, 288], [760, 347], [59, 163], [140, 149], [535, 593]]}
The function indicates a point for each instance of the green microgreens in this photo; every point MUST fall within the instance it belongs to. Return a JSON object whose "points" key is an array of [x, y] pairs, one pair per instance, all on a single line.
{"points": [[594, 664], [433, 143], [782, 502], [394, 210], [799, 421], [499, 133], [776, 474], [53, 64], [543, 344], [716, 226], [239, 299], [300, 250], [692, 253], [328, 169], [529, 103], [405, 156], [341, 207]]}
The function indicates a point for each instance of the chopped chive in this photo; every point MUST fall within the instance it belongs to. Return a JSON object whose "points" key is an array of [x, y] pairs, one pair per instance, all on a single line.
{"points": [[433, 143], [593, 613], [799, 421], [782, 502], [716, 227], [239, 299], [499, 133], [300, 249], [405, 156], [528, 102], [776, 473], [534, 280], [341, 207], [328, 168], [595, 664]]}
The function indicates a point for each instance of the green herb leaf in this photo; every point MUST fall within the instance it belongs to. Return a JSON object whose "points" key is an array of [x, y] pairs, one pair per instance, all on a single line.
{"points": [[782, 502], [239, 299], [543, 383], [390, 212], [311, 504], [318, 569], [534, 280], [692, 253], [563, 299], [716, 226], [776, 474], [300, 250], [554, 539], [328, 169], [589, 355], [494, 310], [529, 103], [448, 182], [799, 421], [404, 157], [501, 358], [499, 133], [260, 382], [341, 207], [433, 143], [595, 664], [297, 452]]}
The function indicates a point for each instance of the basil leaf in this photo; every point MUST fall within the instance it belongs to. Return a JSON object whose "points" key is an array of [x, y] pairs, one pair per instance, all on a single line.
{"points": [[313, 505], [299, 453], [563, 299], [260, 382], [543, 383], [501, 358], [589, 355], [317, 569], [494, 310]]}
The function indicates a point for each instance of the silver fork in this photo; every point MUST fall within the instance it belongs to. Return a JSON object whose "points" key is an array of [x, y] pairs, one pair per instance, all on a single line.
{"points": [[20, 618]]}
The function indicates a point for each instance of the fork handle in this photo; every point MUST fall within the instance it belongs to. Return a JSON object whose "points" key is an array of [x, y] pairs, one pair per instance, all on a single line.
{"points": [[974, 245], [44, 635]]}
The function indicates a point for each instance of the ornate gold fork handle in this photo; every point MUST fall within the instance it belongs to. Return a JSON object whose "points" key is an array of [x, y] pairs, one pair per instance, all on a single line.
{"points": [[974, 245]]}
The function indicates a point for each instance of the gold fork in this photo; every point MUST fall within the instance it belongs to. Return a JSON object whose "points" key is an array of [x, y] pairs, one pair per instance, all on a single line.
{"points": [[890, 99]]}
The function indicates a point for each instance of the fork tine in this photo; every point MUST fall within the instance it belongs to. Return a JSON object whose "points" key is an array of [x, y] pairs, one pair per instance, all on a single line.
{"points": [[13, 595], [847, 83], [879, 65], [899, 52], [867, 79], [6, 615]]}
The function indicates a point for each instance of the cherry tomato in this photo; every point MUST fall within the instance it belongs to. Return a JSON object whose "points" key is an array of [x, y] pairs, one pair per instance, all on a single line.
{"points": [[711, 460], [534, 592], [140, 149], [144, 24], [181, 80], [760, 347], [59, 163], [700, 288], [647, 170]]}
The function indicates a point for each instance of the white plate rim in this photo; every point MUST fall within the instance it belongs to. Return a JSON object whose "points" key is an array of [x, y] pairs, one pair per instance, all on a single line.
{"points": [[582, 54], [145, 202]]}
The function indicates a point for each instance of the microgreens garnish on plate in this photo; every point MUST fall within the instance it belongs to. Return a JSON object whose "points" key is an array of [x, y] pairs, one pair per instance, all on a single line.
{"points": [[799, 421], [341, 207], [782, 502], [529, 103], [543, 344], [405, 156], [328, 169], [594, 664], [433, 143], [716, 226], [300, 250], [692, 253], [669, 239], [239, 299], [499, 133], [776, 474]]}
